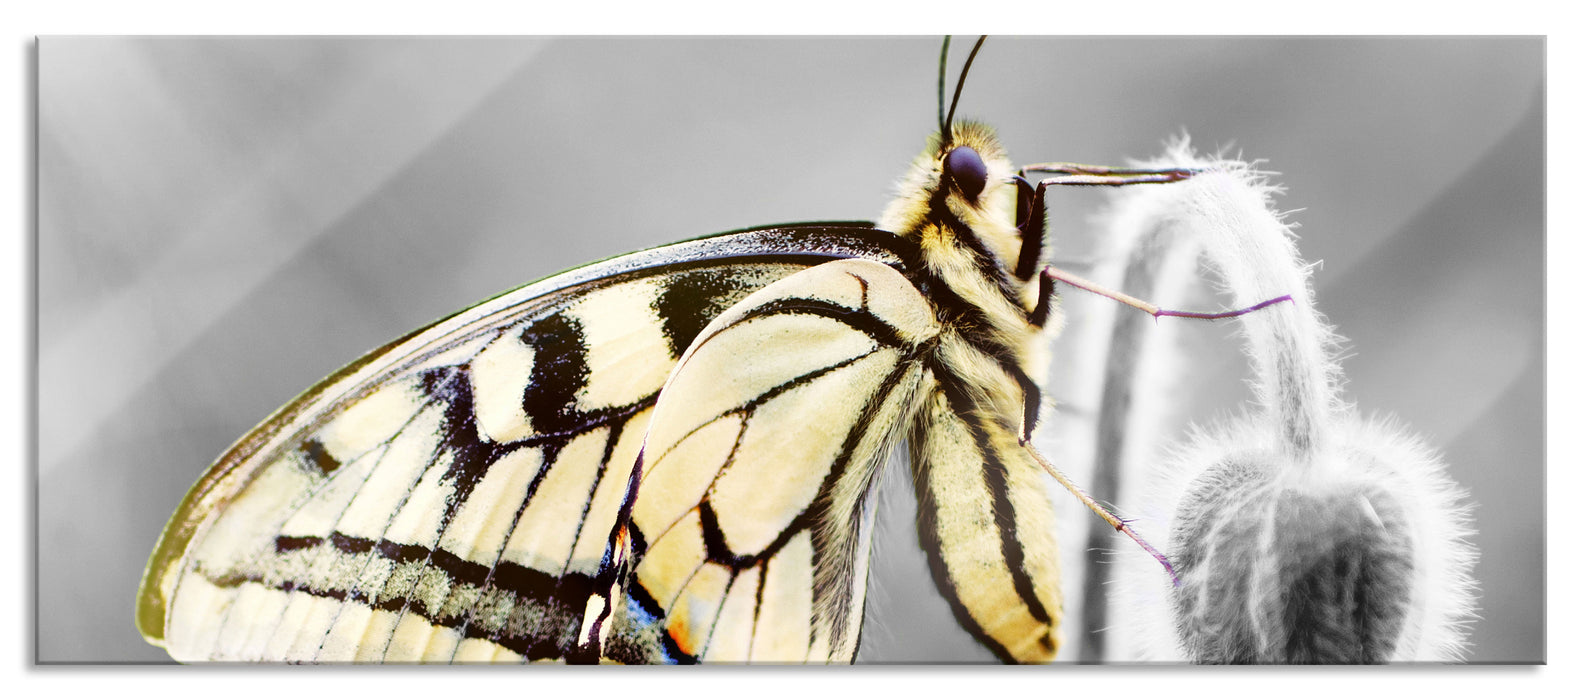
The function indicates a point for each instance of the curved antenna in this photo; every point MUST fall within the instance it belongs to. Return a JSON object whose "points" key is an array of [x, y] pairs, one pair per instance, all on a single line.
{"points": [[960, 81], [944, 56]]}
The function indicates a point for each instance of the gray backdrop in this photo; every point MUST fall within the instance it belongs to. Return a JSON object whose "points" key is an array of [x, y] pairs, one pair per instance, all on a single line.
{"points": [[224, 221]]}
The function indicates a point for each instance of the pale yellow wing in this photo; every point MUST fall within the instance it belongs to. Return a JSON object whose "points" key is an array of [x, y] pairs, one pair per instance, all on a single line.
{"points": [[451, 497], [752, 518], [986, 519]]}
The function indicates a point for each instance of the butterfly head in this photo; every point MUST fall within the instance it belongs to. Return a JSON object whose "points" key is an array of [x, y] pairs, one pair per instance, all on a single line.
{"points": [[959, 193], [958, 201]]}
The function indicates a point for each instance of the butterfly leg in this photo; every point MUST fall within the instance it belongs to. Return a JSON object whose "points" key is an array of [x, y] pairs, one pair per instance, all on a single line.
{"points": [[1115, 521], [1170, 174], [1033, 399], [1050, 275], [1030, 199], [1040, 315]]}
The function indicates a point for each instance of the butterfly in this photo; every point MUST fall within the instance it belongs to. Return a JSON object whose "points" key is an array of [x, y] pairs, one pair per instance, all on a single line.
{"points": [[669, 456]]}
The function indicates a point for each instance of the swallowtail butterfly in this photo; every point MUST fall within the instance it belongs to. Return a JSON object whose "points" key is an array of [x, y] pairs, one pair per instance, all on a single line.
{"points": [[669, 456]]}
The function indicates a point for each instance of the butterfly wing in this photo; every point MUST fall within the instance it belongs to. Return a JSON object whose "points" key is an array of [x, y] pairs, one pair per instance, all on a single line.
{"points": [[752, 513], [987, 523], [449, 496]]}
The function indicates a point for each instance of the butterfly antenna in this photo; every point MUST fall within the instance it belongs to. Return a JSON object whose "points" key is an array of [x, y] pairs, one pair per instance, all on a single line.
{"points": [[944, 56], [960, 81]]}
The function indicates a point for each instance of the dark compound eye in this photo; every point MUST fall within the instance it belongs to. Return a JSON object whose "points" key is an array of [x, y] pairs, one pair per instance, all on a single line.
{"points": [[965, 169]]}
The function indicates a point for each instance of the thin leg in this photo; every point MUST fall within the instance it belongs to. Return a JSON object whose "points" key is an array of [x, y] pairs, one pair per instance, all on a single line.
{"points": [[1030, 200], [1115, 522], [1084, 169], [1117, 179], [1053, 274]]}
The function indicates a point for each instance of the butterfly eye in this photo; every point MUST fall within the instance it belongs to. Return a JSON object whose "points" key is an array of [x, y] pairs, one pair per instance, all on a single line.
{"points": [[965, 169]]}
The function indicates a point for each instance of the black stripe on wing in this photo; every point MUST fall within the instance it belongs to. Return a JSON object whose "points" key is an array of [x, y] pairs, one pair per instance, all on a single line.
{"points": [[983, 468], [995, 477], [697, 282], [832, 525], [530, 593]]}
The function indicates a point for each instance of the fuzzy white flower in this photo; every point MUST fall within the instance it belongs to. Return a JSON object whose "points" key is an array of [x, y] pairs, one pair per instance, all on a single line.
{"points": [[1301, 532]]}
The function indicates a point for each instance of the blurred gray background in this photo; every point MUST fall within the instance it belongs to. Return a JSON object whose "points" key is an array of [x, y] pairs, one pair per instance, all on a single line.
{"points": [[222, 222]]}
